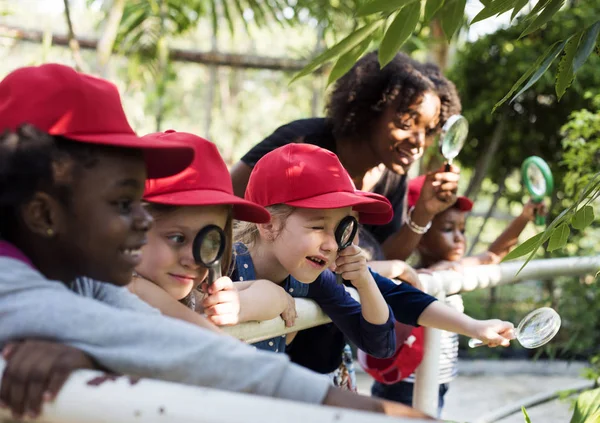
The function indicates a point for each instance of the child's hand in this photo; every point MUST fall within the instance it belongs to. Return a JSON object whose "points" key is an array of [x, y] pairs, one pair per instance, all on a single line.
{"points": [[290, 314], [352, 265], [35, 372], [221, 302], [446, 265], [531, 210], [494, 332]]}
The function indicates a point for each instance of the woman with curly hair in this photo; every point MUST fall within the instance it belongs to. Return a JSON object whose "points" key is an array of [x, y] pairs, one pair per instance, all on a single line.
{"points": [[378, 123]]}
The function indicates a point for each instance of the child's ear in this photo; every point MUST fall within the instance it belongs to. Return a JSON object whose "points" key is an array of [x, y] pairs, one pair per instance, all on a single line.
{"points": [[269, 230], [43, 215]]}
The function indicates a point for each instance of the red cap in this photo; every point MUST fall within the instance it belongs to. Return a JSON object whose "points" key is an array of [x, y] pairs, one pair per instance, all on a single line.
{"points": [[414, 192], [60, 101], [307, 176], [406, 359], [206, 182]]}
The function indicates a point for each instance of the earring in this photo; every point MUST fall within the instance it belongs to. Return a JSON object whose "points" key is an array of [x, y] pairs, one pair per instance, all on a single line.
{"points": [[50, 232]]}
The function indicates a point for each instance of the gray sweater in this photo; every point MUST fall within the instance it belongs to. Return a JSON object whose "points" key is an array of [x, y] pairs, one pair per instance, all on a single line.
{"points": [[126, 335]]}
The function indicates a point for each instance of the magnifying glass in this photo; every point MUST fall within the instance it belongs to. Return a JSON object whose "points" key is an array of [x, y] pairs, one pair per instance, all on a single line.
{"points": [[452, 138], [538, 180], [208, 249], [536, 329], [344, 235]]}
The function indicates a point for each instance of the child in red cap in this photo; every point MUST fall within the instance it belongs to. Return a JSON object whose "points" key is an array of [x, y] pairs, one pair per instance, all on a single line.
{"points": [[182, 206], [441, 248], [308, 193], [72, 176]]}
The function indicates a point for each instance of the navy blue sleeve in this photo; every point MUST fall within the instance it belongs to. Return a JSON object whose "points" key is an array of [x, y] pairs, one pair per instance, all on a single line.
{"points": [[406, 302], [345, 313]]}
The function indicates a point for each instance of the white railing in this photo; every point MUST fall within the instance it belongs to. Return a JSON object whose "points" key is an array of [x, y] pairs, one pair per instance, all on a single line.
{"points": [[439, 284], [91, 397], [122, 401]]}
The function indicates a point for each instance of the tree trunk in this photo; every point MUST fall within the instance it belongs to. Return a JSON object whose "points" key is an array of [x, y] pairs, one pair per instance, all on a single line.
{"points": [[440, 47], [483, 165], [317, 78], [490, 212], [162, 51], [106, 42], [72, 40]]}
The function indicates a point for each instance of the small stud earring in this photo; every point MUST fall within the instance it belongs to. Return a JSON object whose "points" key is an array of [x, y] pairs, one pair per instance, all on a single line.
{"points": [[50, 232]]}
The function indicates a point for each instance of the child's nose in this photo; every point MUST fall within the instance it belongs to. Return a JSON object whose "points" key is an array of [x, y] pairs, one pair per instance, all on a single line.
{"points": [[187, 259], [329, 243], [142, 220]]}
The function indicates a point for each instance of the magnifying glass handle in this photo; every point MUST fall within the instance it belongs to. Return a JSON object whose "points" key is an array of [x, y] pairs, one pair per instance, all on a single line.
{"points": [[339, 279], [539, 220], [474, 343], [448, 167], [214, 273]]}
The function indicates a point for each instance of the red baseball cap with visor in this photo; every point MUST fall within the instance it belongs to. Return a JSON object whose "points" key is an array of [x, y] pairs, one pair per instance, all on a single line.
{"points": [[415, 186], [60, 101], [307, 176], [206, 182], [404, 362]]}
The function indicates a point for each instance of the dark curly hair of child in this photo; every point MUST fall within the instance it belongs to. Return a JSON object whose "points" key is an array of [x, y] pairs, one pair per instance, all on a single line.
{"points": [[361, 95], [31, 161]]}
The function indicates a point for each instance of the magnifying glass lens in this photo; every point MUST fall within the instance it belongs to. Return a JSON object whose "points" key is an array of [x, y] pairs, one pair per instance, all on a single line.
{"points": [[536, 180]]}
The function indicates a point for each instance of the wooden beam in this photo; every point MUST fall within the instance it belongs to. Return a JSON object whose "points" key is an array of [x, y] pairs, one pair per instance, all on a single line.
{"points": [[243, 61]]}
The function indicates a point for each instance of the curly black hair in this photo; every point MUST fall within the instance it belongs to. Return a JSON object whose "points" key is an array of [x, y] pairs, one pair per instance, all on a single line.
{"points": [[361, 95], [30, 161]]}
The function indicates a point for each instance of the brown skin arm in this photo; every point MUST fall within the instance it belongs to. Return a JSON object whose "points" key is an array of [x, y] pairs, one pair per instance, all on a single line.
{"points": [[508, 239], [438, 194], [396, 269], [35, 372], [158, 298], [240, 173], [345, 399]]}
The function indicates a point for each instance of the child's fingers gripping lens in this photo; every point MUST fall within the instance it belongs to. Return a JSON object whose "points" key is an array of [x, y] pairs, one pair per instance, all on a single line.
{"points": [[346, 231]]}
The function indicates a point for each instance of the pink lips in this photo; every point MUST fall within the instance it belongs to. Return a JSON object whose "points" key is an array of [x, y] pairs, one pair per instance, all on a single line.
{"points": [[184, 280]]}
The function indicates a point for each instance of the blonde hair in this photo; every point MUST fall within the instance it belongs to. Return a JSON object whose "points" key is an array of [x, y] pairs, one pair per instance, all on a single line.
{"points": [[247, 232]]}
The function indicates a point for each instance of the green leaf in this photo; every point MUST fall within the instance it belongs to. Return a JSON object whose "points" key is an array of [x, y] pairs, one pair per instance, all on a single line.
{"points": [[344, 46], [431, 7], [346, 61], [586, 406], [583, 218], [494, 8], [564, 75], [551, 8], [586, 46], [559, 237], [402, 26], [518, 7], [551, 52], [537, 8], [543, 67], [382, 6], [527, 419], [531, 245], [451, 15]]}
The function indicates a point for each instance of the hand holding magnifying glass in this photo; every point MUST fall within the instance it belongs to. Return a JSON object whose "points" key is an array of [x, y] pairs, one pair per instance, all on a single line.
{"points": [[344, 235], [452, 138], [536, 329], [208, 248]]}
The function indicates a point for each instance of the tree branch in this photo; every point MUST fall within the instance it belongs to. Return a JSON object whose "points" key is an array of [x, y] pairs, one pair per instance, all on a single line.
{"points": [[179, 55], [72, 40]]}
